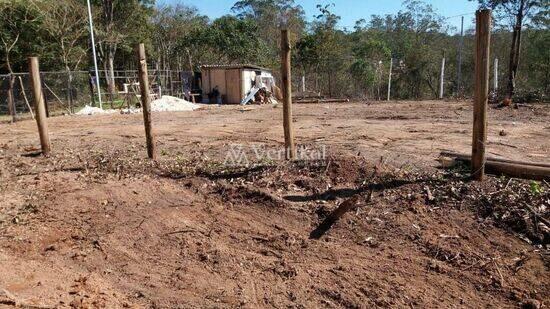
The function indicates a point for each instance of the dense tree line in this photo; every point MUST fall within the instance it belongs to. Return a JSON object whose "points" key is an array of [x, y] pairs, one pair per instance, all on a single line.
{"points": [[335, 61]]}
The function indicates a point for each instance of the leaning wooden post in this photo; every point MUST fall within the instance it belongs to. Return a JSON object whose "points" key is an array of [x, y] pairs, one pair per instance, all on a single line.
{"points": [[39, 105], [290, 150], [481, 94], [146, 102]]}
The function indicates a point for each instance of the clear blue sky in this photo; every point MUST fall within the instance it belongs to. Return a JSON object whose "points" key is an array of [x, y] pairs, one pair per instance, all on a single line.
{"points": [[349, 10]]}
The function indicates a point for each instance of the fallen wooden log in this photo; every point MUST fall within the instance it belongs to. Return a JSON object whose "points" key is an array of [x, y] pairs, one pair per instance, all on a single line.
{"points": [[341, 210], [494, 159], [517, 169], [309, 101], [307, 98]]}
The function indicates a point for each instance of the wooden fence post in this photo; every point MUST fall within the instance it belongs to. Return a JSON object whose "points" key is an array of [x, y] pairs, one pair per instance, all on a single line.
{"points": [[389, 79], [146, 102], [442, 79], [290, 150], [495, 77], [481, 94], [39, 106]]}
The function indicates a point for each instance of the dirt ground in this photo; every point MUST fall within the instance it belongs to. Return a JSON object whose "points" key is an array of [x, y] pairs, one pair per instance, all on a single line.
{"points": [[98, 225]]}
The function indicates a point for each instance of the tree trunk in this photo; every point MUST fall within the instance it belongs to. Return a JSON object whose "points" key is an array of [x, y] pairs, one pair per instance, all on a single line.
{"points": [[515, 53], [106, 73], [329, 84], [70, 89], [111, 75], [11, 101], [91, 84]]}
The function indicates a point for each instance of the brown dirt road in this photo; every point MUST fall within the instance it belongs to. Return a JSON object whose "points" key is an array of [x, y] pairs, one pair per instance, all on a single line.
{"points": [[97, 225]]}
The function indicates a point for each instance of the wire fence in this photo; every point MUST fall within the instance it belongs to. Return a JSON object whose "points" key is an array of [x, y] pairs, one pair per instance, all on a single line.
{"points": [[67, 92]]}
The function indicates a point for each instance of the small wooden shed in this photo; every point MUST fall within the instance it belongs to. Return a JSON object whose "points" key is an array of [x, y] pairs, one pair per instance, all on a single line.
{"points": [[233, 81]]}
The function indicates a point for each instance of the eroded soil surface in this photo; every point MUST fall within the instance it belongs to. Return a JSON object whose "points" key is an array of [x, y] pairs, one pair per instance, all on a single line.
{"points": [[99, 225]]}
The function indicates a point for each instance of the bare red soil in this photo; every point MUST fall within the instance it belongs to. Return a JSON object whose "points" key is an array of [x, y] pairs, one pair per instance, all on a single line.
{"points": [[98, 225]]}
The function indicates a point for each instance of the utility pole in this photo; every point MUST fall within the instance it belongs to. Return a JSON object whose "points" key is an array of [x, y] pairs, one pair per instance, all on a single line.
{"points": [[459, 66], [94, 53]]}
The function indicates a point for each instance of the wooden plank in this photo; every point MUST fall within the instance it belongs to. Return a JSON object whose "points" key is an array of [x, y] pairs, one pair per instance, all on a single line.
{"points": [[481, 94], [290, 150], [146, 102], [34, 71]]}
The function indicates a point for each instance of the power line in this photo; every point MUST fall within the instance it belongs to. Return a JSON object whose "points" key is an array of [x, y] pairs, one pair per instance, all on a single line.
{"points": [[461, 15]]}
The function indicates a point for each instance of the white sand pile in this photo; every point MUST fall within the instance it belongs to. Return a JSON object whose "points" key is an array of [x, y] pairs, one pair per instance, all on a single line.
{"points": [[164, 104], [90, 110], [173, 104]]}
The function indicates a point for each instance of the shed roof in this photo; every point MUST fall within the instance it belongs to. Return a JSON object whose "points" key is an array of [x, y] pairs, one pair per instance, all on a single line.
{"points": [[234, 66]]}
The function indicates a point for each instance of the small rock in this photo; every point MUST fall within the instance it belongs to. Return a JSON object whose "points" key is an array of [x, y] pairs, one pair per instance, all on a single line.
{"points": [[429, 194], [503, 133]]}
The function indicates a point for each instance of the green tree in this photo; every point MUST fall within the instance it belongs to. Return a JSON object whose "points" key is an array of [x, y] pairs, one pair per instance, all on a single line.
{"points": [[236, 39], [18, 29], [367, 68], [269, 15], [123, 24], [66, 23], [520, 10], [330, 45], [172, 25]]}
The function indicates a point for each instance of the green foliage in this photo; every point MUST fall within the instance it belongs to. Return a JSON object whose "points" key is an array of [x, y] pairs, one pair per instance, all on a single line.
{"points": [[367, 69], [536, 188], [229, 39], [270, 15], [20, 34]]}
